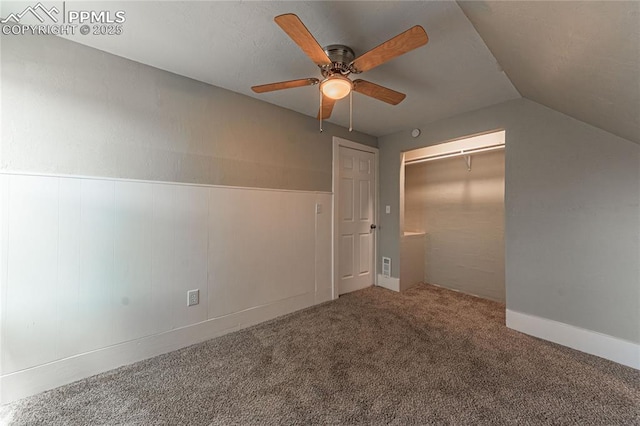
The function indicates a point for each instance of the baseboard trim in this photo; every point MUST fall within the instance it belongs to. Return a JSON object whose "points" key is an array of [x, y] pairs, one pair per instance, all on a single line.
{"points": [[390, 283], [324, 295], [34, 380], [591, 342]]}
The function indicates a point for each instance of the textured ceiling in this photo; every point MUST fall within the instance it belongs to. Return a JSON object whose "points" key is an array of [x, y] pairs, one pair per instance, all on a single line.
{"points": [[579, 58], [235, 45]]}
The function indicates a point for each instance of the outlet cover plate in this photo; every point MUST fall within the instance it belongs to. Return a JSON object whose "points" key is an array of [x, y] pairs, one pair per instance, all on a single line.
{"points": [[193, 297]]}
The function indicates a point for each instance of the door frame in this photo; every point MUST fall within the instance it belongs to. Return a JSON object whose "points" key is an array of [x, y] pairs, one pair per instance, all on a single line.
{"points": [[337, 143]]}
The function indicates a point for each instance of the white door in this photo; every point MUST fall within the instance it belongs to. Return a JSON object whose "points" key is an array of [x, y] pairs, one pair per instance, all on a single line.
{"points": [[356, 203]]}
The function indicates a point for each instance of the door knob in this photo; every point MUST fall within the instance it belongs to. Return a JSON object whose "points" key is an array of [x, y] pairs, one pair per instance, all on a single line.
{"points": [[373, 226]]}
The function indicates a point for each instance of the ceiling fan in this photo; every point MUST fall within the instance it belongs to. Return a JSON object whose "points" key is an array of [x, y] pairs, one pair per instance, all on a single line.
{"points": [[337, 62]]}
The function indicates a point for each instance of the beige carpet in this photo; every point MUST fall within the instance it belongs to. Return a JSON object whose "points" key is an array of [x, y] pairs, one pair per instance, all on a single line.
{"points": [[428, 356]]}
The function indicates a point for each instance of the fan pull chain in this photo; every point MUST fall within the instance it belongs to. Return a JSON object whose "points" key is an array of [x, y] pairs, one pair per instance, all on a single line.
{"points": [[351, 111], [320, 91]]}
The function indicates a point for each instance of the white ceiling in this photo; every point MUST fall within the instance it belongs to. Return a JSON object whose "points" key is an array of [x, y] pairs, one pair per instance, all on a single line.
{"points": [[236, 45], [579, 58]]}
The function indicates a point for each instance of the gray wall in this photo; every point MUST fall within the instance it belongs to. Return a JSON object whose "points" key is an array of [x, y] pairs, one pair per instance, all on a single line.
{"points": [[80, 249], [462, 213], [572, 215], [71, 109]]}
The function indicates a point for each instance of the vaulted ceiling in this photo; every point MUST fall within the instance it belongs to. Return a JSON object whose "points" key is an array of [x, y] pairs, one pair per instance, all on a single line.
{"points": [[580, 58]]}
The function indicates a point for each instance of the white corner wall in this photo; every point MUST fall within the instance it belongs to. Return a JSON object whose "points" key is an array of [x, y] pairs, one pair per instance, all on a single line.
{"points": [[95, 271]]}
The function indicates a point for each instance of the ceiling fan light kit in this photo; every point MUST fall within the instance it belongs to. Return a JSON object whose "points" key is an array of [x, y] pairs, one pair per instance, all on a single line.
{"points": [[336, 87], [337, 62]]}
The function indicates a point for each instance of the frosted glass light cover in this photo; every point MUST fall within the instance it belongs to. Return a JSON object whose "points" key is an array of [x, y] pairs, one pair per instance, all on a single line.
{"points": [[336, 87]]}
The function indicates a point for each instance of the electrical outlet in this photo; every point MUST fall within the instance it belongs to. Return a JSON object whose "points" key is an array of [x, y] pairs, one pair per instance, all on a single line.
{"points": [[193, 297]]}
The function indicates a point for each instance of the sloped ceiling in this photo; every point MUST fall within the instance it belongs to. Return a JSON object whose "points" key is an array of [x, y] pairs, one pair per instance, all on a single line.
{"points": [[236, 45], [579, 58]]}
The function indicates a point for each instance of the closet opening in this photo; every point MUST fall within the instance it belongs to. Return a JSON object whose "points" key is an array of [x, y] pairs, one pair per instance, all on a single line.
{"points": [[452, 216]]}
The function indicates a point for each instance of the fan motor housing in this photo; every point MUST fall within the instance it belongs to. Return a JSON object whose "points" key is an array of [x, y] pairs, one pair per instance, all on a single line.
{"points": [[341, 57]]}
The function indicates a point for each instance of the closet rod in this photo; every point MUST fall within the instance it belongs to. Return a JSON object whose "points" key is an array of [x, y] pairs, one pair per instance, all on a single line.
{"points": [[455, 154]]}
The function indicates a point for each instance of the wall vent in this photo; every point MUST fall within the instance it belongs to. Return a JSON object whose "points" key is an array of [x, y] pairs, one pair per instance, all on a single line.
{"points": [[386, 267]]}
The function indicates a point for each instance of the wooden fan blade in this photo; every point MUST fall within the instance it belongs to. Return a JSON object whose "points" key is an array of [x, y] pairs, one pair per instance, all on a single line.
{"points": [[285, 85], [378, 92], [293, 26], [413, 38], [327, 108]]}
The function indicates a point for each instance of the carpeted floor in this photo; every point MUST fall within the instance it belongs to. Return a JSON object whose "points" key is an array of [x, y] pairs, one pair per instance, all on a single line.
{"points": [[428, 356]]}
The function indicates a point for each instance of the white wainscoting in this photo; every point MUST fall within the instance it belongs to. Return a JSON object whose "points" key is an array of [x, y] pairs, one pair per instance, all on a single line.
{"points": [[95, 272]]}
